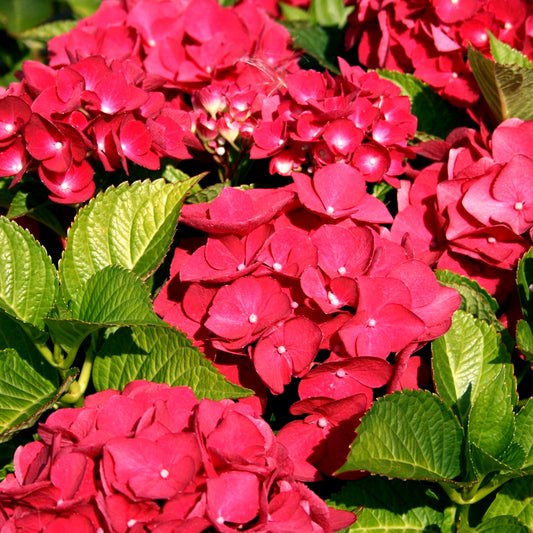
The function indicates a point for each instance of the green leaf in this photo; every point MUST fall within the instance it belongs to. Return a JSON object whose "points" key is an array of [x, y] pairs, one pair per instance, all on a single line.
{"points": [[28, 279], [506, 88], [23, 390], [465, 360], [132, 225], [391, 505], [524, 278], [524, 339], [19, 15], [515, 498], [524, 431], [474, 298], [318, 42], [44, 32], [161, 354], [435, 115], [409, 435], [114, 296], [500, 524], [329, 12], [491, 425], [506, 55], [36, 411], [84, 8], [293, 13], [14, 334]]}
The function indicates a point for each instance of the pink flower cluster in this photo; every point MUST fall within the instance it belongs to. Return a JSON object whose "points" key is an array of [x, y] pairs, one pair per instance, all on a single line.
{"points": [[154, 458], [284, 273], [430, 38], [317, 119], [470, 211], [114, 90]]}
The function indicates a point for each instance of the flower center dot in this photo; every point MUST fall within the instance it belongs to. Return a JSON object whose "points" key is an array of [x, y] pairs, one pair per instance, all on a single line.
{"points": [[491, 240], [371, 323], [220, 520], [455, 75], [281, 349], [151, 42], [9, 127], [164, 473], [277, 267], [294, 304], [58, 145], [372, 161], [519, 206], [322, 423], [340, 373], [131, 522], [330, 210], [341, 271], [242, 266], [508, 26], [252, 319], [333, 299]]}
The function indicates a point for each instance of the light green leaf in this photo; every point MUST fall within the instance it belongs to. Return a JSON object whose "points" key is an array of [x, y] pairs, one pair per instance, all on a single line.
{"points": [[506, 88], [467, 358], [161, 354], [84, 8], [500, 524], [114, 296], [329, 12], [515, 498], [19, 15], [23, 390], [491, 425], [524, 431], [409, 435], [293, 13], [131, 225], [390, 505], [524, 339], [32, 415], [28, 279], [506, 55], [435, 115], [474, 298], [524, 278]]}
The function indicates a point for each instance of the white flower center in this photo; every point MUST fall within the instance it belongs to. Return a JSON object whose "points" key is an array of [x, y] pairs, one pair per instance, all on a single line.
{"points": [[252, 319], [164, 473], [131, 522], [341, 271], [491, 240], [277, 267], [322, 422], [519, 206], [333, 300], [371, 323], [281, 349], [330, 210], [9, 127], [242, 266], [340, 373], [58, 146]]}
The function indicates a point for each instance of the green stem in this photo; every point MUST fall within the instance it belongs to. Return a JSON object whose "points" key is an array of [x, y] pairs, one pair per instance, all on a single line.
{"points": [[47, 353], [78, 388]]}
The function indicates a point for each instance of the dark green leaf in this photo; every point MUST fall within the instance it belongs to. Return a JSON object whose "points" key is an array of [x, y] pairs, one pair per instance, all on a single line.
{"points": [[524, 339], [320, 43], [19, 15], [435, 115], [391, 505], [524, 431]]}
